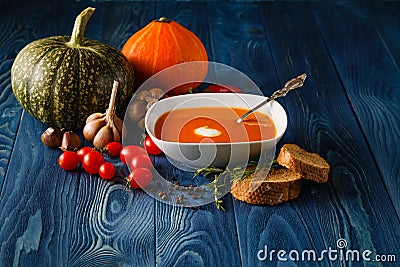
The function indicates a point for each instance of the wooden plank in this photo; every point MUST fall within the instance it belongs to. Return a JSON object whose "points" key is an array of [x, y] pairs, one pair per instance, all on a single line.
{"points": [[238, 40], [241, 43], [386, 21], [21, 211], [371, 80], [193, 237], [10, 108], [354, 205], [35, 196], [20, 26], [122, 22], [121, 223], [56, 218], [306, 222], [15, 33], [246, 48]]}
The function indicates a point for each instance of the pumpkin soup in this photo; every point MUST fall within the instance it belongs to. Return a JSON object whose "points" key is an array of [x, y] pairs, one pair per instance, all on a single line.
{"points": [[213, 124]]}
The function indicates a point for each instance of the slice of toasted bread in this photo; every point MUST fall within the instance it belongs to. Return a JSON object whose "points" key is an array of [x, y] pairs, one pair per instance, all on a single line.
{"points": [[310, 165], [277, 187]]}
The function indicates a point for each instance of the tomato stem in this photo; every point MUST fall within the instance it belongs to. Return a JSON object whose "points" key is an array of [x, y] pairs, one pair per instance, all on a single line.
{"points": [[127, 184]]}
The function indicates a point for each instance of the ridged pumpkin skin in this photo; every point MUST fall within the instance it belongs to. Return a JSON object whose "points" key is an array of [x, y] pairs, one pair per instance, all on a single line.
{"points": [[162, 44], [61, 83]]}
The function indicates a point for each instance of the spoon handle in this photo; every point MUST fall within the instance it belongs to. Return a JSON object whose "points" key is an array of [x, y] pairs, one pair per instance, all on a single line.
{"points": [[289, 85]]}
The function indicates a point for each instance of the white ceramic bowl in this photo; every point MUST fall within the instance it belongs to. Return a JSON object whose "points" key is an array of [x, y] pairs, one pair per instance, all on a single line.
{"points": [[200, 155]]}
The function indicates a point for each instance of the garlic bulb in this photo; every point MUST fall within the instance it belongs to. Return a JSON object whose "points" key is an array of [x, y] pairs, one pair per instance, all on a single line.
{"points": [[142, 102], [103, 128]]}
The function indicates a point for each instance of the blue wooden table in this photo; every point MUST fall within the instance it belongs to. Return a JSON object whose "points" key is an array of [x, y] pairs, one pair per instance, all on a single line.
{"points": [[348, 111]]}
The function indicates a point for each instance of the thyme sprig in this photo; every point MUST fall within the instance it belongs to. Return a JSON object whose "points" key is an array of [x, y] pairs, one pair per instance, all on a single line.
{"points": [[208, 171], [237, 174], [214, 184]]}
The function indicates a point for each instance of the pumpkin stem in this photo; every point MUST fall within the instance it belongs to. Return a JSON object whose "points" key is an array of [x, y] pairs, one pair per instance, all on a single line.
{"points": [[111, 108], [80, 26], [163, 19]]}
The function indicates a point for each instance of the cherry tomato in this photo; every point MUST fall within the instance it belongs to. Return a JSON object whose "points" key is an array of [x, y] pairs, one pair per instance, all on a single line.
{"points": [[92, 161], [128, 152], [83, 151], [140, 178], [141, 161], [68, 160], [107, 171], [221, 88], [150, 146], [113, 149]]}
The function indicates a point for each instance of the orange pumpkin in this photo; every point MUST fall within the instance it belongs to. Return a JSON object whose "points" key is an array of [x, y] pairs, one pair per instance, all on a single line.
{"points": [[162, 44]]}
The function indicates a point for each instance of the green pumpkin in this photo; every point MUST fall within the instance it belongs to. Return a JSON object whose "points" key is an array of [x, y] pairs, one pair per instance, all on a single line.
{"points": [[61, 80]]}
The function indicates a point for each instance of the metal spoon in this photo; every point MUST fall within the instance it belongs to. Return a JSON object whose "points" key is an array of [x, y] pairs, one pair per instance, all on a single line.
{"points": [[289, 85]]}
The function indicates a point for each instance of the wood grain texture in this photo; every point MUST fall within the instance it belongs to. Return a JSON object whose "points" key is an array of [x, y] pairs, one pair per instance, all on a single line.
{"points": [[122, 20], [194, 237], [50, 217], [57, 218], [281, 226], [385, 18], [20, 26], [310, 135], [322, 123], [371, 80], [33, 200], [14, 34], [119, 225], [238, 42]]}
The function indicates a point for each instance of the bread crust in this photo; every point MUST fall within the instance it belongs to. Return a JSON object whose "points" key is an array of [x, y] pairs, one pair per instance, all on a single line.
{"points": [[284, 183], [311, 166], [278, 186]]}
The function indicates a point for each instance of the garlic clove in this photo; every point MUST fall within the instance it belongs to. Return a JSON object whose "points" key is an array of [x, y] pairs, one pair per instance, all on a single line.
{"points": [[103, 137], [116, 134], [140, 123], [90, 130], [118, 123], [95, 116]]}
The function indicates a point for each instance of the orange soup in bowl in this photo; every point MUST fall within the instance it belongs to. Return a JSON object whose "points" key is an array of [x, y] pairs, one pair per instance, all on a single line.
{"points": [[213, 124]]}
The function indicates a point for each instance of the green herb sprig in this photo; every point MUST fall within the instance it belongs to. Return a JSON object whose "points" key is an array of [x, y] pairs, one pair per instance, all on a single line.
{"points": [[237, 174]]}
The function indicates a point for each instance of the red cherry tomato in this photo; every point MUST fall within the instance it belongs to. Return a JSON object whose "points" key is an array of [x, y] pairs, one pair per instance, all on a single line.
{"points": [[83, 151], [128, 152], [92, 161], [150, 146], [140, 178], [107, 171], [68, 160], [113, 149], [141, 161], [221, 88]]}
